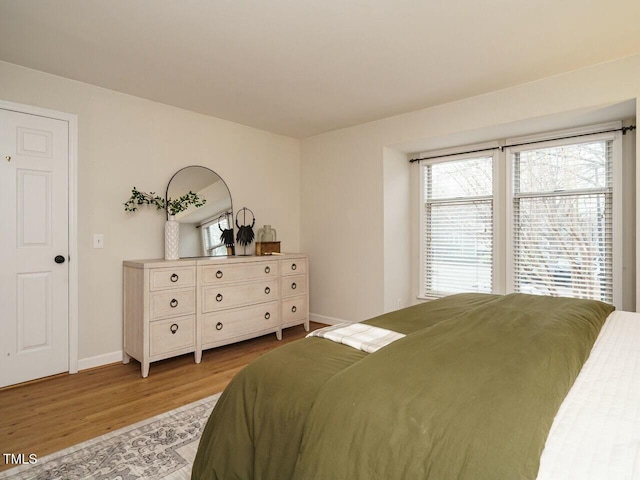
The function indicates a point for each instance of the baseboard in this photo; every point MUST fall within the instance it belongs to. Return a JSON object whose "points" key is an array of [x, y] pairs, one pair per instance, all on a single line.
{"points": [[99, 360], [314, 317], [114, 357]]}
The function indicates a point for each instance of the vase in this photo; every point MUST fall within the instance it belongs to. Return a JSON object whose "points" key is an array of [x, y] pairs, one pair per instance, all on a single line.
{"points": [[171, 239], [267, 234]]}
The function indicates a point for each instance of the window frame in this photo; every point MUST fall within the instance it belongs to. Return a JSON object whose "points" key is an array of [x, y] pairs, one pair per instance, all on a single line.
{"points": [[503, 157], [423, 294], [590, 136]]}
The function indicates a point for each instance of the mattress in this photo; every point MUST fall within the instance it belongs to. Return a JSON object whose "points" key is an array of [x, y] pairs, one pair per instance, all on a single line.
{"points": [[596, 432]]}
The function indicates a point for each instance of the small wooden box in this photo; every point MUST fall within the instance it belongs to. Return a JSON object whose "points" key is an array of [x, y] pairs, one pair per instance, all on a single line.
{"points": [[267, 248]]}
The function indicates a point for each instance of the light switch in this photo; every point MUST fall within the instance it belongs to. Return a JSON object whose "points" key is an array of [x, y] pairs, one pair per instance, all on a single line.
{"points": [[98, 240]]}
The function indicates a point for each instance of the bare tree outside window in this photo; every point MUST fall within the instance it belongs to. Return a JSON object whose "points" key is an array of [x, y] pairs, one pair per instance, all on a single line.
{"points": [[562, 221], [458, 226]]}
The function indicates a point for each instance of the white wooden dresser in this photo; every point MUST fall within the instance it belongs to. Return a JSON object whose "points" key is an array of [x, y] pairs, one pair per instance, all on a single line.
{"points": [[172, 307]]}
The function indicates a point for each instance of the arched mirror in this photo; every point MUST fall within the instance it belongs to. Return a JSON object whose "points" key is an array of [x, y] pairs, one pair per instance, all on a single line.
{"points": [[201, 227]]}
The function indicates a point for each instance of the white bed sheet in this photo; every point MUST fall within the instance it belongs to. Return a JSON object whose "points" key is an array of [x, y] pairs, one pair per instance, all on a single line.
{"points": [[596, 433]]}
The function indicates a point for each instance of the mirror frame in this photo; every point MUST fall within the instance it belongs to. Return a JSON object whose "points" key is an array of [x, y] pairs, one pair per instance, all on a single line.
{"points": [[166, 197]]}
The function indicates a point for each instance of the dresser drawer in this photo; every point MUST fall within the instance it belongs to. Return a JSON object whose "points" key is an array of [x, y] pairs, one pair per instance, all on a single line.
{"points": [[293, 266], [172, 303], [172, 334], [220, 326], [227, 296], [293, 285], [294, 309], [180, 277], [216, 274]]}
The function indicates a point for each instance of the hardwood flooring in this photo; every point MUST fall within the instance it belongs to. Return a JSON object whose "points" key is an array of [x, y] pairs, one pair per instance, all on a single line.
{"points": [[54, 413]]}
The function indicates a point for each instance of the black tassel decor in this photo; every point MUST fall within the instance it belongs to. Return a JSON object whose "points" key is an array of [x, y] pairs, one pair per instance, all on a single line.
{"points": [[226, 237], [245, 233]]}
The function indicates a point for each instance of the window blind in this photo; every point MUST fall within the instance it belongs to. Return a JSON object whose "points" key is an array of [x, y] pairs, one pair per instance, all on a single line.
{"points": [[458, 226], [211, 236], [563, 221]]}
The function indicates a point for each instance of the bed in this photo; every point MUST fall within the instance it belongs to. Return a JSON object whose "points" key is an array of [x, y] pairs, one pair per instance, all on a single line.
{"points": [[473, 388]]}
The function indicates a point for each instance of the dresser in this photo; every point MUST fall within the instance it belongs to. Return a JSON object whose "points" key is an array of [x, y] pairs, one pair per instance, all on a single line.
{"points": [[183, 306]]}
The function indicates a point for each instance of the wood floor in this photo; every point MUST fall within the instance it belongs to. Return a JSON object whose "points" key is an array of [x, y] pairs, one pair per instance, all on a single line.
{"points": [[57, 412]]}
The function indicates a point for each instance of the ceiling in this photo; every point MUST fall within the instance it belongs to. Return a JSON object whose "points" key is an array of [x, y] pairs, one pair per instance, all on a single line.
{"points": [[302, 67]]}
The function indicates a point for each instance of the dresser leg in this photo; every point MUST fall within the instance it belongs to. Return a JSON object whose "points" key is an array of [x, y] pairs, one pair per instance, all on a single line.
{"points": [[306, 326], [198, 356], [145, 369], [279, 334], [125, 358]]}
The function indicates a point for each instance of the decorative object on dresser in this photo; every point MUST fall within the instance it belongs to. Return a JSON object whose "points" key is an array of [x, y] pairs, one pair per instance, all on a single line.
{"points": [[266, 243], [200, 228], [245, 233], [139, 198], [267, 248], [226, 235], [177, 206], [173, 207], [267, 234], [171, 239], [189, 305]]}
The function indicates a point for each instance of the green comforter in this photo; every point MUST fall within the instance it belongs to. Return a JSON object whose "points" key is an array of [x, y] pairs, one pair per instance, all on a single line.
{"points": [[469, 393]]}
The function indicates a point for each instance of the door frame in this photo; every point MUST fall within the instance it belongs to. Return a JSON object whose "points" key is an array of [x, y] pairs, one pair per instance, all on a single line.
{"points": [[72, 121]]}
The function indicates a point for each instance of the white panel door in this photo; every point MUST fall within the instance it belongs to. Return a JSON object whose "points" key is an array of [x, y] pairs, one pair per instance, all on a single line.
{"points": [[34, 230]]}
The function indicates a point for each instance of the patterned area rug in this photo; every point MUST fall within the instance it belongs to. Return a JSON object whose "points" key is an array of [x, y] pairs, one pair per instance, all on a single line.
{"points": [[162, 447]]}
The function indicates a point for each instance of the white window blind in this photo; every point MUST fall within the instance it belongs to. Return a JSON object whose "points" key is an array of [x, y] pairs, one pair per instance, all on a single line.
{"points": [[458, 226], [211, 232], [563, 222]]}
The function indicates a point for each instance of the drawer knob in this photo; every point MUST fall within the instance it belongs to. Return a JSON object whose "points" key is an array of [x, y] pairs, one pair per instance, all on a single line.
{"points": [[219, 274], [294, 286], [219, 326], [267, 316], [219, 298], [294, 309], [293, 266], [174, 328], [267, 269], [174, 278], [267, 290], [173, 303]]}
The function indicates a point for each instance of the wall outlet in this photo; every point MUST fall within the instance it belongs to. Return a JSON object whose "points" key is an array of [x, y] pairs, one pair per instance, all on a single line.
{"points": [[98, 240]]}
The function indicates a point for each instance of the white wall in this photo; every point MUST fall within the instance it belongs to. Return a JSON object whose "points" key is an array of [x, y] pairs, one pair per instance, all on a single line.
{"points": [[126, 141], [343, 197], [398, 232], [349, 188]]}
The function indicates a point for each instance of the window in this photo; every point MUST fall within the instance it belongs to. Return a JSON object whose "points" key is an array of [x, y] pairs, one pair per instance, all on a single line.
{"points": [[211, 231], [562, 221], [458, 226], [548, 227]]}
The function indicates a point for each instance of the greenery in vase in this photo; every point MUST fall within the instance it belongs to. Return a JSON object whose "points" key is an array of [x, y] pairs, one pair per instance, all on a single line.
{"points": [[177, 205], [173, 206]]}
